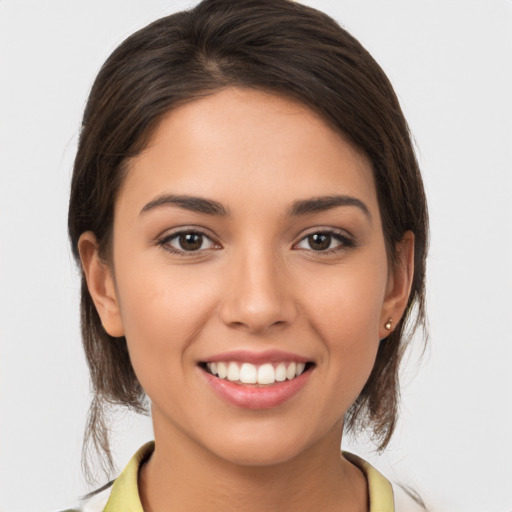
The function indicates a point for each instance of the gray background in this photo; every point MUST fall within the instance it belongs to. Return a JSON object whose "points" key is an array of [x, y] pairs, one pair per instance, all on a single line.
{"points": [[450, 62]]}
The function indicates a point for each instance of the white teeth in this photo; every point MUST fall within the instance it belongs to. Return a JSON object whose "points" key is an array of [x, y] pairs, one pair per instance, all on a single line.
{"points": [[266, 374], [281, 372], [222, 371], [233, 372], [248, 373], [290, 372]]}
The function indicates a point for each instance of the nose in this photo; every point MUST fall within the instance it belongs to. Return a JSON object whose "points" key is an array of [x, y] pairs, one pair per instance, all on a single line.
{"points": [[257, 296]]}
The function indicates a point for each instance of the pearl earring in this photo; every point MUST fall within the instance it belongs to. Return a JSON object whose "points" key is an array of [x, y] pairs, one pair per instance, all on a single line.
{"points": [[388, 324]]}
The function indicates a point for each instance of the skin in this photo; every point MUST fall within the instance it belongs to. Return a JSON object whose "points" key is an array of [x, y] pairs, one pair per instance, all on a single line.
{"points": [[256, 283]]}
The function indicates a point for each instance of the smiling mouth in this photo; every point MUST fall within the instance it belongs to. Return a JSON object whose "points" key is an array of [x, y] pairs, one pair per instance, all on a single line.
{"points": [[259, 375]]}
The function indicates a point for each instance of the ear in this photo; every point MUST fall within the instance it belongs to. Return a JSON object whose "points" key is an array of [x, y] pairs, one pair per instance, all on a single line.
{"points": [[101, 284], [399, 285]]}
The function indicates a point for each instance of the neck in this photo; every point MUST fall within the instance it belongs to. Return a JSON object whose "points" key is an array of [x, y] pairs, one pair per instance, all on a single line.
{"points": [[183, 475]]}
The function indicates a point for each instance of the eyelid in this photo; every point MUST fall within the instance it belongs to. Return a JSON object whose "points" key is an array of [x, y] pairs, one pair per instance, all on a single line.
{"points": [[345, 239], [168, 235]]}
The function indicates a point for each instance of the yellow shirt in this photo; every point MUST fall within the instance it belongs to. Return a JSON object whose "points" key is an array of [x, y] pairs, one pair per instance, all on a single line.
{"points": [[124, 496]]}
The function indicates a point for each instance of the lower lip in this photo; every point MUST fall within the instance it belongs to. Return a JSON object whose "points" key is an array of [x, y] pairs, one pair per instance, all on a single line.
{"points": [[253, 397]]}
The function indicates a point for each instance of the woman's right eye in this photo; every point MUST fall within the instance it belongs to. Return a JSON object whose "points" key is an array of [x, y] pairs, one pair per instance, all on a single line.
{"points": [[187, 242]]}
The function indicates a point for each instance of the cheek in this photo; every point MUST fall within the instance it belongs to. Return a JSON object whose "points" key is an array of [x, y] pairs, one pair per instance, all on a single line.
{"points": [[162, 310], [345, 313], [352, 315], [347, 301]]}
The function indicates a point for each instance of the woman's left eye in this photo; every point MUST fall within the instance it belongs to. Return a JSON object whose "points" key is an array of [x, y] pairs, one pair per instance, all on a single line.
{"points": [[324, 241], [187, 242]]}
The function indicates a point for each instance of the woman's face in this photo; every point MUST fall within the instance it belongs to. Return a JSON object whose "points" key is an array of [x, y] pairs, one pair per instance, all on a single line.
{"points": [[248, 246]]}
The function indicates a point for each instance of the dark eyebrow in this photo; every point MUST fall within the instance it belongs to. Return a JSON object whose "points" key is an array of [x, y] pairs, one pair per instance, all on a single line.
{"points": [[321, 204], [194, 204]]}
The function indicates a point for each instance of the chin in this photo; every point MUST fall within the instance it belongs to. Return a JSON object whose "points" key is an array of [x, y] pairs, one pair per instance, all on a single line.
{"points": [[260, 445], [259, 454]]}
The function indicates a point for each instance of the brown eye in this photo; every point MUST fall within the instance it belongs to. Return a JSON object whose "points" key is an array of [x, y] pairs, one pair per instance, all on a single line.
{"points": [[319, 241], [190, 241], [187, 242], [325, 242]]}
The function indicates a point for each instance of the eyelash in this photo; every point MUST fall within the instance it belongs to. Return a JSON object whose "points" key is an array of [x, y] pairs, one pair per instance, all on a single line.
{"points": [[344, 242], [165, 241]]}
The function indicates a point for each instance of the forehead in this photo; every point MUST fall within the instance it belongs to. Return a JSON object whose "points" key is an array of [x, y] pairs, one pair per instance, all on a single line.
{"points": [[240, 140]]}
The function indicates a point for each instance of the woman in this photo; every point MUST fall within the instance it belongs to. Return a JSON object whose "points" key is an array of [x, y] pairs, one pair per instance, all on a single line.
{"points": [[251, 225]]}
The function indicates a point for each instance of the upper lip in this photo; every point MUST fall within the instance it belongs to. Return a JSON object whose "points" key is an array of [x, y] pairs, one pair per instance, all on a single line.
{"points": [[267, 356]]}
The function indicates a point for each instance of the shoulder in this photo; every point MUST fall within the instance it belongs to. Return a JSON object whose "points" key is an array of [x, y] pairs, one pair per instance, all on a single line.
{"points": [[95, 503], [407, 500], [122, 493], [386, 496]]}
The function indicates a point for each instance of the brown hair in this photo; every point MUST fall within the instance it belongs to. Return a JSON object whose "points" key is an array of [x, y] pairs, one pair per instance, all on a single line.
{"points": [[273, 45]]}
